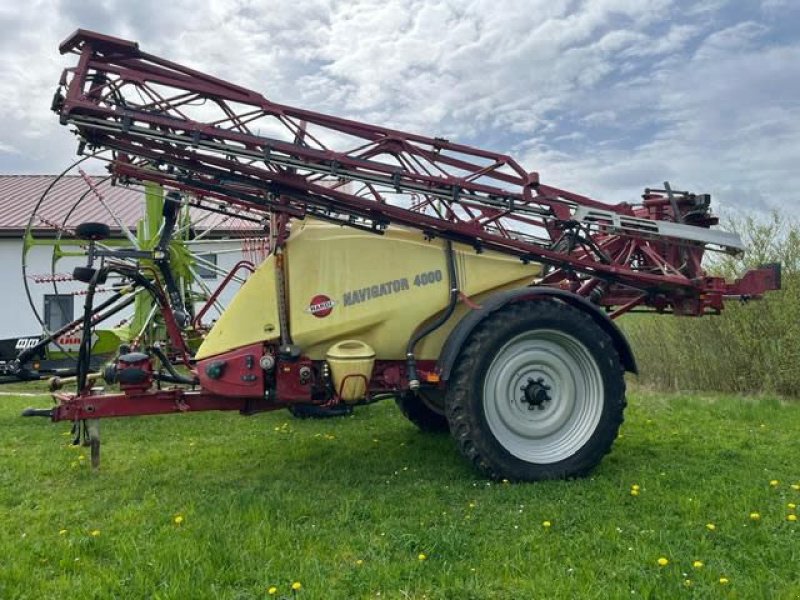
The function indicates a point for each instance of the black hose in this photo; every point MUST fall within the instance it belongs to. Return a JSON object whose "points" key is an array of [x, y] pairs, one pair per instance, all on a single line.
{"points": [[172, 204], [174, 376], [171, 379], [85, 349], [452, 279]]}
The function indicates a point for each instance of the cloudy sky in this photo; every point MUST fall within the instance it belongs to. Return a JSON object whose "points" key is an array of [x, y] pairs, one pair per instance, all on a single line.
{"points": [[604, 97]]}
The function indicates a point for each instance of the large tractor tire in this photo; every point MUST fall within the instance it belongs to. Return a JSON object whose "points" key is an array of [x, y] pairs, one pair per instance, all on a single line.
{"points": [[425, 409], [538, 392]]}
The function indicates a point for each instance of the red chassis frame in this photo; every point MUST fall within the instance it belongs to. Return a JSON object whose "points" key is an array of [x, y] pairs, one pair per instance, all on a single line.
{"points": [[388, 378]]}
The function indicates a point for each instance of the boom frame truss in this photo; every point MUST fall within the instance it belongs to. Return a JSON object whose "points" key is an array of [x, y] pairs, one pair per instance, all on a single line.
{"points": [[190, 131]]}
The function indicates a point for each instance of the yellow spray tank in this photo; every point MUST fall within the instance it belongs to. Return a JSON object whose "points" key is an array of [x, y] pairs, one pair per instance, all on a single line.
{"points": [[346, 284]]}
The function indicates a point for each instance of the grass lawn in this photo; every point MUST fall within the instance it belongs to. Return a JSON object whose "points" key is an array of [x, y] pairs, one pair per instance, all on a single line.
{"points": [[220, 506]]}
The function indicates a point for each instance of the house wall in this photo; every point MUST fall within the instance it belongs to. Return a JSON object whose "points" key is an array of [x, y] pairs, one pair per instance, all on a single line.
{"points": [[16, 316]]}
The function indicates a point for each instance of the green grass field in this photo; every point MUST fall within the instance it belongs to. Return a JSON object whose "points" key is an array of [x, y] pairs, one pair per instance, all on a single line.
{"points": [[221, 506]]}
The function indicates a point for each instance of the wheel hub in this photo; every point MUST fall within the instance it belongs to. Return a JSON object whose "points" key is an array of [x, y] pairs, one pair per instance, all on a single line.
{"points": [[535, 393], [543, 395]]}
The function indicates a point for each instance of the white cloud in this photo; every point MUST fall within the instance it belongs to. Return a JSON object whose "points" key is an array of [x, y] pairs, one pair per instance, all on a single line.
{"points": [[8, 148], [730, 41], [603, 96], [730, 126]]}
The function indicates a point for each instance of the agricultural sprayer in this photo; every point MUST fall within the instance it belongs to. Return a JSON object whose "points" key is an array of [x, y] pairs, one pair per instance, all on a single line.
{"points": [[402, 266]]}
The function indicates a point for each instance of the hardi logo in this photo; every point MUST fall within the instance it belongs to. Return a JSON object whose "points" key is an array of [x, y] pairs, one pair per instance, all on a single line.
{"points": [[320, 306]]}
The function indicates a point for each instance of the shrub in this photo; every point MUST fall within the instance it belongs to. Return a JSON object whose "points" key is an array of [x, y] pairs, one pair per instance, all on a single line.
{"points": [[752, 347]]}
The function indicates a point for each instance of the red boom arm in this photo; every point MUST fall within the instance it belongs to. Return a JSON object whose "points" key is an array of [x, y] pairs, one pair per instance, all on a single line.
{"points": [[187, 130]]}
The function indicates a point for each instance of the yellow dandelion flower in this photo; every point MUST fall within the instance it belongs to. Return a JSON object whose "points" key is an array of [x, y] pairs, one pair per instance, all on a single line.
{"points": [[724, 581], [359, 562], [178, 519], [710, 526], [687, 582], [62, 532], [272, 591], [662, 562], [636, 487], [472, 505], [634, 492], [546, 524], [791, 518], [94, 532], [774, 483], [698, 564], [791, 506], [795, 486], [422, 556], [754, 516], [82, 457], [297, 586]]}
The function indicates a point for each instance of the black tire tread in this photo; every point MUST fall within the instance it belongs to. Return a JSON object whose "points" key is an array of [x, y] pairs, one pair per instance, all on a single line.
{"points": [[475, 441], [416, 411]]}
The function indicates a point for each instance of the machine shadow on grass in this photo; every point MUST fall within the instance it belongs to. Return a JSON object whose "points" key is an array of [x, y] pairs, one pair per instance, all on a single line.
{"points": [[358, 450]]}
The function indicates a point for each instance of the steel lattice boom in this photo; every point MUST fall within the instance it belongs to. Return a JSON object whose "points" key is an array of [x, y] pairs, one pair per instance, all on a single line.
{"points": [[191, 131]]}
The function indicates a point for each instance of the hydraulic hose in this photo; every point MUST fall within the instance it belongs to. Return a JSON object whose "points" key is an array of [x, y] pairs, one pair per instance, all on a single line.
{"points": [[452, 280], [174, 376], [85, 349]]}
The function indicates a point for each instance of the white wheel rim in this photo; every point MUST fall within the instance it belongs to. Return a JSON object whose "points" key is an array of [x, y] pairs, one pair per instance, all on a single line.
{"points": [[559, 427]]}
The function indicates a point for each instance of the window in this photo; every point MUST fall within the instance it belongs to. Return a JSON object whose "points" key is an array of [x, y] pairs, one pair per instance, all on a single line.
{"points": [[205, 266], [58, 311]]}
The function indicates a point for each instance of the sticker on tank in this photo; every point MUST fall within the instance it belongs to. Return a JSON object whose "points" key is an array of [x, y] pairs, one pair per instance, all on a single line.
{"points": [[394, 286]]}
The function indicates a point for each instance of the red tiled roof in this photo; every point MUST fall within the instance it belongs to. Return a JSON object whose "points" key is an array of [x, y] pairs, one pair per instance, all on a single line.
{"points": [[69, 201]]}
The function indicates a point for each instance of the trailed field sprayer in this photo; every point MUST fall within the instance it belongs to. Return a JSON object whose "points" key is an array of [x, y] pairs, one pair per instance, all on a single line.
{"points": [[401, 266]]}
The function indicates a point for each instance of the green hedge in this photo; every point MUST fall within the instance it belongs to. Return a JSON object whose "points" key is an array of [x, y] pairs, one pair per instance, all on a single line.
{"points": [[752, 347]]}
